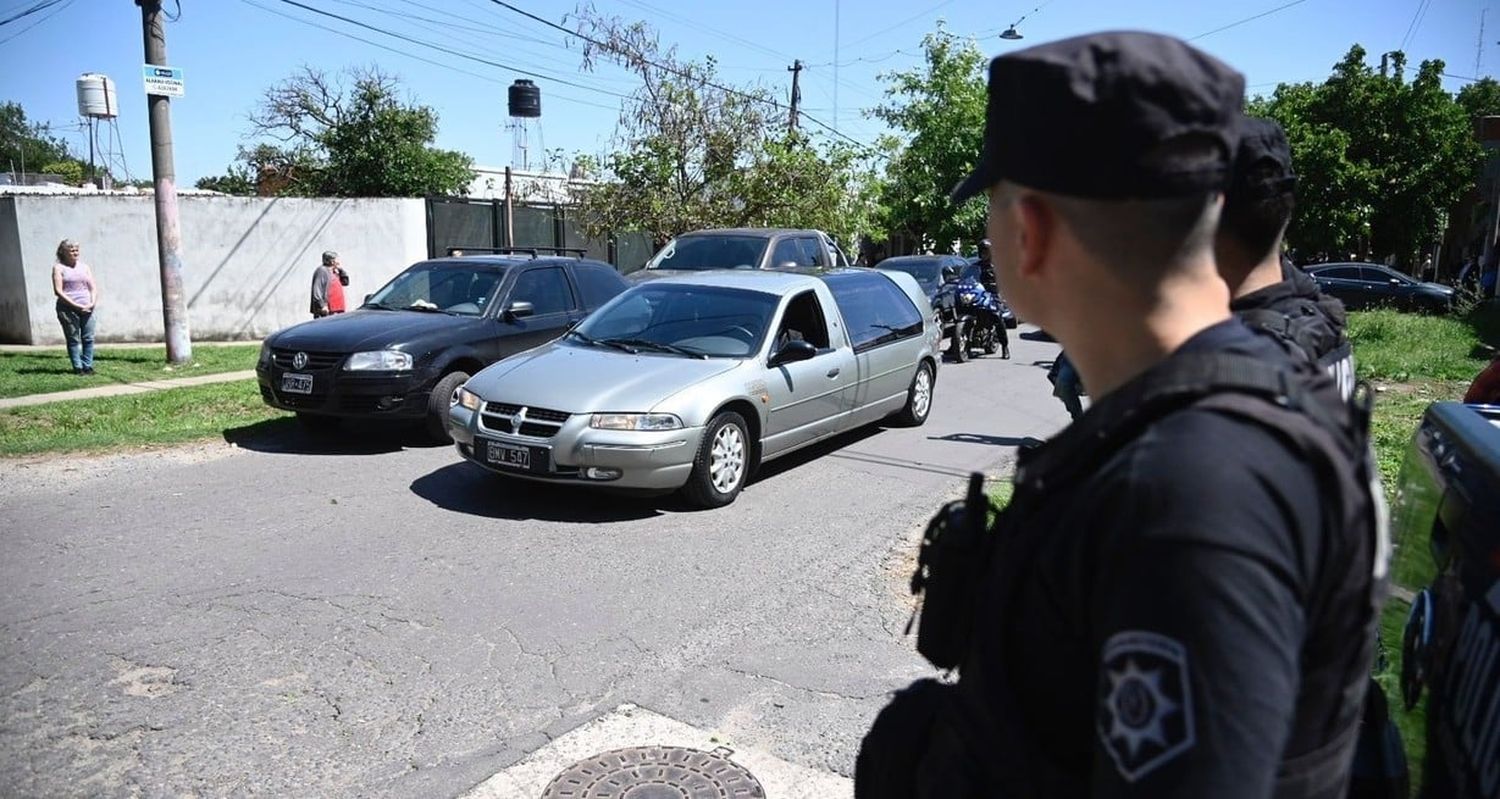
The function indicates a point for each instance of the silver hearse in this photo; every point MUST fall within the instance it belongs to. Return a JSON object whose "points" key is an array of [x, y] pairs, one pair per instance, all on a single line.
{"points": [[690, 381]]}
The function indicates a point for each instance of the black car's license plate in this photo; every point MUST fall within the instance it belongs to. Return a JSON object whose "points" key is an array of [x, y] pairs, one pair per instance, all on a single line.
{"points": [[514, 456], [296, 384]]}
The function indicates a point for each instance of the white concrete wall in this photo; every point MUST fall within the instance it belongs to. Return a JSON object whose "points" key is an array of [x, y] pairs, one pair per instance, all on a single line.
{"points": [[247, 261]]}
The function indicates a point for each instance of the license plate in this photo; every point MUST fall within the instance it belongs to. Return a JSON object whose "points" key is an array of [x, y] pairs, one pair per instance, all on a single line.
{"points": [[508, 455], [296, 384]]}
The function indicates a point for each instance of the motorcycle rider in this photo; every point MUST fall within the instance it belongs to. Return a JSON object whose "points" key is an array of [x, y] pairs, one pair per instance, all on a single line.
{"points": [[987, 278]]}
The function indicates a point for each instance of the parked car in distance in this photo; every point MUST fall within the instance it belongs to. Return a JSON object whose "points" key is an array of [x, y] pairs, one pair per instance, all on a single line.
{"points": [[407, 349], [690, 382], [928, 270], [1362, 286], [744, 248]]}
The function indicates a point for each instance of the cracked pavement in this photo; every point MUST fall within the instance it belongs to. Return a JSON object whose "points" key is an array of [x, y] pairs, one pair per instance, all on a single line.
{"points": [[295, 617]]}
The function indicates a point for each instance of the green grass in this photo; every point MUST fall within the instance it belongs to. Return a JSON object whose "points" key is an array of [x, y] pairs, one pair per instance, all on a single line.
{"points": [[46, 371], [1402, 347], [154, 417], [1413, 361]]}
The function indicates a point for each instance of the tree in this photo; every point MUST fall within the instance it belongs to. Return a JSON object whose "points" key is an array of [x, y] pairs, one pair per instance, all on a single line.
{"points": [[1380, 160], [25, 142], [237, 180], [31, 147], [691, 152], [1481, 98], [363, 141], [939, 107]]}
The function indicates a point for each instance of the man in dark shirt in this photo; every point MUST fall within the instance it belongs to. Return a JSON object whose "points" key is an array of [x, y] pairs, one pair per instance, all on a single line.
{"points": [[1179, 599], [1269, 294]]}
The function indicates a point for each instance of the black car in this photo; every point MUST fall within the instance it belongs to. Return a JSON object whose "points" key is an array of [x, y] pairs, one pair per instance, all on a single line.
{"points": [[1372, 285], [928, 270], [407, 349]]}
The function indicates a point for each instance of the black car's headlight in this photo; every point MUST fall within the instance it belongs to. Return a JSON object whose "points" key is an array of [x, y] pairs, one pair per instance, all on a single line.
{"points": [[265, 354]]}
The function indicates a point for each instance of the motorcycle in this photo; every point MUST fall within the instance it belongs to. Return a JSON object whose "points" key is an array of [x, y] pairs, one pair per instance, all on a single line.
{"points": [[970, 315]]}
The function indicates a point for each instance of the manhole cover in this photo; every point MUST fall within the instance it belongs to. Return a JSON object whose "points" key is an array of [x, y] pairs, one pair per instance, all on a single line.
{"points": [[654, 772]]}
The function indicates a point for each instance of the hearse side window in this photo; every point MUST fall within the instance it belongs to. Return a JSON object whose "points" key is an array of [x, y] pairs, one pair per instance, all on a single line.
{"points": [[803, 321], [875, 310]]}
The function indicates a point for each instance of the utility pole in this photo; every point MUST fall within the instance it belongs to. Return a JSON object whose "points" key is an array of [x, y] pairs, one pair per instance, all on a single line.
{"points": [[164, 174], [1479, 50], [796, 70], [836, 66]]}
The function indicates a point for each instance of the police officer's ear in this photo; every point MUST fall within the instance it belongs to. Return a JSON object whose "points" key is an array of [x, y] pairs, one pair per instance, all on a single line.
{"points": [[1026, 223]]}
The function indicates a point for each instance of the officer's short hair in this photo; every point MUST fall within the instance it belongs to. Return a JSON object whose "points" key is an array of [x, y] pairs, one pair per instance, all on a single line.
{"points": [[329, 256], [1262, 195]]}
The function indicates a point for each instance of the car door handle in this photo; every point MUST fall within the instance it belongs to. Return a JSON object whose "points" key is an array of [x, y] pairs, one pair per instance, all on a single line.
{"points": [[834, 372]]}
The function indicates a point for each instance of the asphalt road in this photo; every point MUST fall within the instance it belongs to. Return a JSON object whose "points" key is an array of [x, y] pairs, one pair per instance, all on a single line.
{"points": [[373, 617]]}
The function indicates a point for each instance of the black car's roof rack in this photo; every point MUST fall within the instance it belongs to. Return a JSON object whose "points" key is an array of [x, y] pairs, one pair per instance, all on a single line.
{"points": [[579, 252]]}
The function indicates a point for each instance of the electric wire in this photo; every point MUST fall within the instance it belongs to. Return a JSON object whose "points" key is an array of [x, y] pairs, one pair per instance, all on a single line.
{"points": [[1247, 19], [680, 73], [55, 12]]}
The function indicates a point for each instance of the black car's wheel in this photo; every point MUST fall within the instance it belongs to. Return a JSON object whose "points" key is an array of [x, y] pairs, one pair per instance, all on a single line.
{"points": [[438, 403], [722, 464], [958, 346], [918, 397], [318, 423]]}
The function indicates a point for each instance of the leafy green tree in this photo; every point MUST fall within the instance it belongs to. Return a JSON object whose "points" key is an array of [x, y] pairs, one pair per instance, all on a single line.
{"points": [[26, 142], [691, 152], [71, 171], [938, 111], [1380, 160], [1481, 98], [238, 180], [363, 141]]}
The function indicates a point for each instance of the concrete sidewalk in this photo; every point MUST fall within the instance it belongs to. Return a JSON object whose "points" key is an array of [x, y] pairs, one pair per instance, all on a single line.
{"points": [[119, 389]]}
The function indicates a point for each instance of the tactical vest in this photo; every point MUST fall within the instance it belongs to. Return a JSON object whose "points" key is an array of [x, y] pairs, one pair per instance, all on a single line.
{"points": [[937, 739], [1306, 330]]}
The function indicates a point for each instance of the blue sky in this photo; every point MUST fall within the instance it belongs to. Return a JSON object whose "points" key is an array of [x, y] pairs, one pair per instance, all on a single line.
{"points": [[231, 50]]}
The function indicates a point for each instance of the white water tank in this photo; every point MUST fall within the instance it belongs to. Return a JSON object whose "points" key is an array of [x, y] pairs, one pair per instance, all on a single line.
{"points": [[96, 96]]}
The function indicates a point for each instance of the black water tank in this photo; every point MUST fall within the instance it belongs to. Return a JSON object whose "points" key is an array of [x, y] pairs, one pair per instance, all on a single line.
{"points": [[525, 99]]}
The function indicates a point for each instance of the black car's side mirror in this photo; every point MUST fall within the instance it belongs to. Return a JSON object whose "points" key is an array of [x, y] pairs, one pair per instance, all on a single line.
{"points": [[794, 351], [519, 310]]}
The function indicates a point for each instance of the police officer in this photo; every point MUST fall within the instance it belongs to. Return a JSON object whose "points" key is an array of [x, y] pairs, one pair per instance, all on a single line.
{"points": [[1269, 294], [987, 278], [1180, 598]]}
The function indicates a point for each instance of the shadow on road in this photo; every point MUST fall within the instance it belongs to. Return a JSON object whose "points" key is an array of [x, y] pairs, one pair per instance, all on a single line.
{"points": [[1036, 335], [287, 435], [466, 488], [803, 456], [994, 441]]}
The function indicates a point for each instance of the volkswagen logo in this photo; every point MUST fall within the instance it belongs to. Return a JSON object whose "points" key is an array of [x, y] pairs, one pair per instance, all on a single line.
{"points": [[516, 421], [299, 361]]}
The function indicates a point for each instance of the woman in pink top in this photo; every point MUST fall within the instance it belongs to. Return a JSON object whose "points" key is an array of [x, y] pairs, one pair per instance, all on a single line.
{"points": [[77, 294]]}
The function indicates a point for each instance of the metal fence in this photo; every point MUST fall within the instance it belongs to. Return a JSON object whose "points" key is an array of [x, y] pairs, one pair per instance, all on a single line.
{"points": [[463, 222]]}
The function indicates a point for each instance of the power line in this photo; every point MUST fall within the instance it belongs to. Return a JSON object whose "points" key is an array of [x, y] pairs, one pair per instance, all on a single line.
{"points": [[1415, 23], [682, 74], [911, 18], [55, 12], [1248, 19], [695, 25], [423, 59], [447, 29], [45, 4], [452, 52]]}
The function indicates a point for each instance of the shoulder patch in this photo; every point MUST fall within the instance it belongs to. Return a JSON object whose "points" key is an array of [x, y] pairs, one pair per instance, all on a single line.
{"points": [[1145, 713]]}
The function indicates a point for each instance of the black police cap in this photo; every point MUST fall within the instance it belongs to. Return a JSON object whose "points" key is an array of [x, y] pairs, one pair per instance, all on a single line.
{"points": [[1088, 117], [1263, 164]]}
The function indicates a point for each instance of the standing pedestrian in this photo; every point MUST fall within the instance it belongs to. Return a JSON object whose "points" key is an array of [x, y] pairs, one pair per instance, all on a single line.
{"points": [[1180, 599], [1266, 292], [77, 296], [328, 287]]}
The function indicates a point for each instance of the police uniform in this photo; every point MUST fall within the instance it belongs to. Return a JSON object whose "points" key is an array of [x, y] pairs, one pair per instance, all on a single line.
{"points": [[1180, 598], [1309, 323]]}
